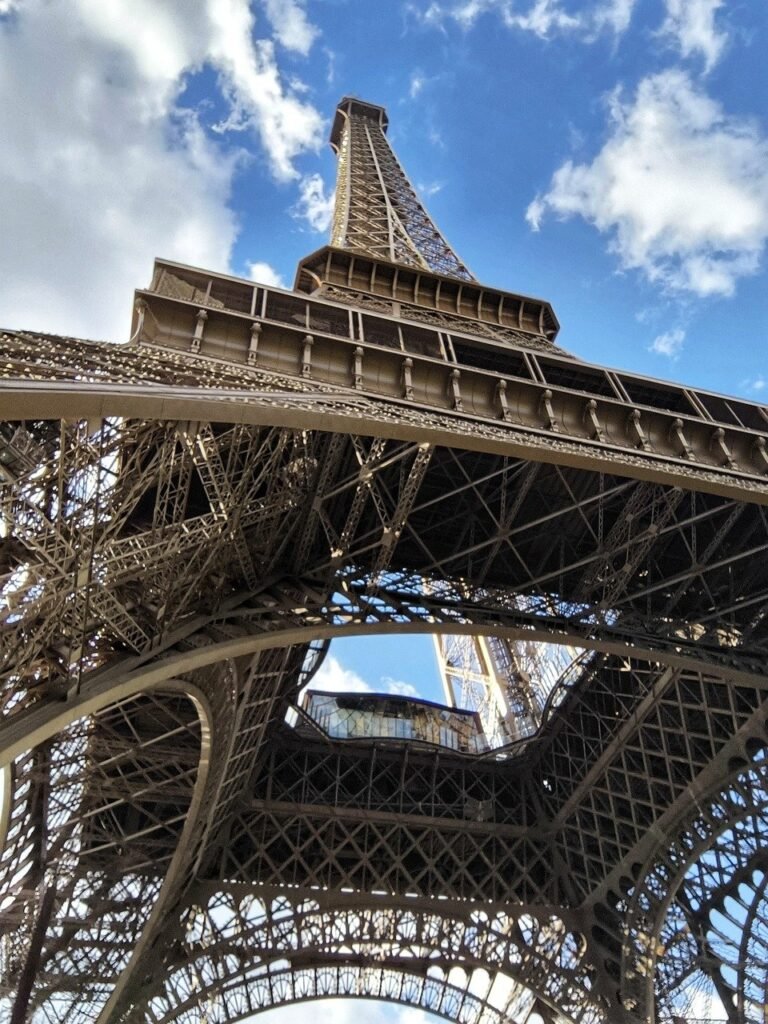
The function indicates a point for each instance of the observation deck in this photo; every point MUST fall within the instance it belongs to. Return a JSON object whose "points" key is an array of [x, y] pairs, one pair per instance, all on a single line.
{"points": [[378, 716]]}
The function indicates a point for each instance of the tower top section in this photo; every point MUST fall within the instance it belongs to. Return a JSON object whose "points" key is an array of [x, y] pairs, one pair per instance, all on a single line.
{"points": [[386, 253], [350, 106], [378, 212]]}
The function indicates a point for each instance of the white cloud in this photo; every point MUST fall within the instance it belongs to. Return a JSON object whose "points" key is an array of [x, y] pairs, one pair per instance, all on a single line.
{"points": [[398, 687], [690, 25], [681, 188], [614, 15], [314, 205], [434, 14], [290, 25], [536, 211], [466, 11], [263, 273], [431, 188], [544, 18], [330, 74], [436, 138], [756, 384], [670, 343], [286, 125], [334, 677], [103, 170], [346, 1011], [417, 83]]}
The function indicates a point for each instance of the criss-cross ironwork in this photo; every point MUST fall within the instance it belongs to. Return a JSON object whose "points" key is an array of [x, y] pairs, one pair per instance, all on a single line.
{"points": [[187, 521], [377, 209]]}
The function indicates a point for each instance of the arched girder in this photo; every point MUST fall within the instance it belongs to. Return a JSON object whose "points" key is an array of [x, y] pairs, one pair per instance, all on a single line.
{"points": [[247, 494], [749, 961], [366, 417], [106, 800], [245, 708], [291, 636], [241, 939], [431, 992], [33, 725], [669, 931], [160, 574]]}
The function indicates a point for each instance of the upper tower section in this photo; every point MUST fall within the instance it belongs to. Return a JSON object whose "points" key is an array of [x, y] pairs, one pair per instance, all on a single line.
{"points": [[377, 209], [386, 254]]}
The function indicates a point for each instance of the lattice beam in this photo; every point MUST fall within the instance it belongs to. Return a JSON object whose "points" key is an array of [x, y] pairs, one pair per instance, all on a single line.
{"points": [[188, 520], [377, 210]]}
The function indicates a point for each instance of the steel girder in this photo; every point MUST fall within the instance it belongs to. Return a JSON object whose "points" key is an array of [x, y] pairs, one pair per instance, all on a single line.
{"points": [[186, 521], [622, 745], [479, 954]]}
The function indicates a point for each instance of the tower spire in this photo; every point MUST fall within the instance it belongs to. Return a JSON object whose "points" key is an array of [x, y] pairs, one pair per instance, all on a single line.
{"points": [[377, 209]]}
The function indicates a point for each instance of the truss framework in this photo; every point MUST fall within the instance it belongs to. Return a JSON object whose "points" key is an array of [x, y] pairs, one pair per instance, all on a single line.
{"points": [[187, 521], [507, 684], [377, 210]]}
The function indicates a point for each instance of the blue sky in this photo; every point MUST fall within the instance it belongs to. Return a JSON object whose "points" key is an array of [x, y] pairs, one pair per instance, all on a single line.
{"points": [[610, 156]]}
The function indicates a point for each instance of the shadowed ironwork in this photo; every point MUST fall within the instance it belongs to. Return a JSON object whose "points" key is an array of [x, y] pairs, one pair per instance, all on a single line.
{"points": [[187, 521]]}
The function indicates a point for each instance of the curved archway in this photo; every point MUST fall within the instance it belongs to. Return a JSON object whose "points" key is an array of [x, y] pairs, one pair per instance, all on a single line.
{"points": [[248, 624], [100, 811], [246, 953], [432, 992], [715, 865], [209, 654], [33, 725], [350, 1010]]}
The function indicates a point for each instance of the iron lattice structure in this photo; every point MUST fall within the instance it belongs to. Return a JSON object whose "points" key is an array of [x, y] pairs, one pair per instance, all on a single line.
{"points": [[189, 519], [378, 211]]}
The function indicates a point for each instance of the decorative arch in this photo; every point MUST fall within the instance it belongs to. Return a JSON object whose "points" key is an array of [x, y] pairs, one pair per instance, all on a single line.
{"points": [[432, 992], [111, 839], [284, 643], [700, 907], [244, 953], [352, 587], [262, 627]]}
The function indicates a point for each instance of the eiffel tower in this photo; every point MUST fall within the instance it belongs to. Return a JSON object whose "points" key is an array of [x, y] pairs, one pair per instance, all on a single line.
{"points": [[391, 447]]}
